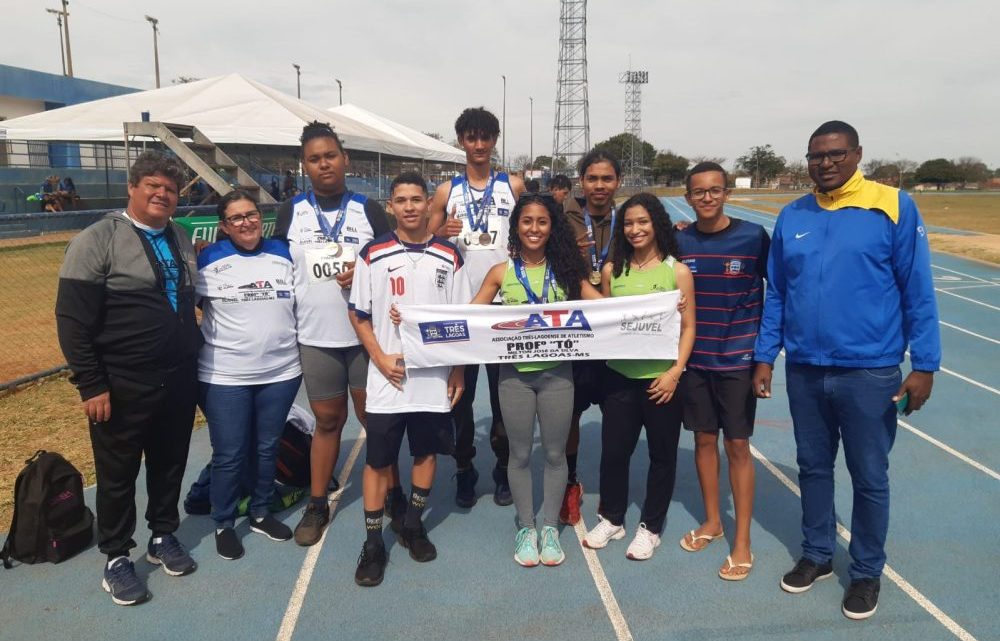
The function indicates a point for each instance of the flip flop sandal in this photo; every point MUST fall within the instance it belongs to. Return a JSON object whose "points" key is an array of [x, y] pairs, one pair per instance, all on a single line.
{"points": [[690, 547], [730, 566]]}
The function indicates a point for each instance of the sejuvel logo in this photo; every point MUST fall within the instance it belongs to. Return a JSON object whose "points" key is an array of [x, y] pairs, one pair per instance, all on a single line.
{"points": [[550, 319]]}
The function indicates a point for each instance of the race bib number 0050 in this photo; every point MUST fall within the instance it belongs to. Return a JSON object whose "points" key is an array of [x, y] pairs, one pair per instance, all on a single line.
{"points": [[327, 262]]}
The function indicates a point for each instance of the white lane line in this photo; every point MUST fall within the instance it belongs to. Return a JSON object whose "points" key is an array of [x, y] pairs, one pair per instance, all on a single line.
{"points": [[618, 622], [970, 333], [971, 381], [907, 587], [678, 208], [947, 448], [298, 596], [979, 286], [971, 300], [982, 280]]}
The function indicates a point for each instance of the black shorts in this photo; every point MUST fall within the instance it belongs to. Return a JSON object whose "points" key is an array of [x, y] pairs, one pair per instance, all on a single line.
{"points": [[589, 380], [428, 433], [719, 400]]}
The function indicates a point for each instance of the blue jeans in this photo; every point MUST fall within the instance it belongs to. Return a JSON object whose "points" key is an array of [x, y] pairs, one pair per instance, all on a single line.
{"points": [[829, 404], [245, 423]]}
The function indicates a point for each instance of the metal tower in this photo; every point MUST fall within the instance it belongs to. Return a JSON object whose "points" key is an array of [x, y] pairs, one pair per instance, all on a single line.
{"points": [[632, 153], [571, 132]]}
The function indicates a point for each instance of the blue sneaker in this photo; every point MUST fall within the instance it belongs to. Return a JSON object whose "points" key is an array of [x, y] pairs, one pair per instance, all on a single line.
{"points": [[552, 553], [171, 555], [123, 585], [526, 547]]}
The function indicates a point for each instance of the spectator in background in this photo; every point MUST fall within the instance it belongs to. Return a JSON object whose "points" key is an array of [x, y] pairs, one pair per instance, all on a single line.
{"points": [[126, 325], [559, 187], [67, 191], [288, 187], [532, 186], [275, 191]]}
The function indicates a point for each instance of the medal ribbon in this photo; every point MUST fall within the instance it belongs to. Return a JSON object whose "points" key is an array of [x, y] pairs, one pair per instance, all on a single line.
{"points": [[324, 224], [522, 276], [594, 262], [478, 216]]}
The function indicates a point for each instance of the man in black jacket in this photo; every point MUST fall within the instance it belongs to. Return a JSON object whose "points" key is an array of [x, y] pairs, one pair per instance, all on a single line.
{"points": [[126, 323]]}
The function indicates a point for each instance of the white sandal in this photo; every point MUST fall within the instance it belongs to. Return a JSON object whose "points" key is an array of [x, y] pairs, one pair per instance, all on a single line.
{"points": [[731, 566], [697, 537]]}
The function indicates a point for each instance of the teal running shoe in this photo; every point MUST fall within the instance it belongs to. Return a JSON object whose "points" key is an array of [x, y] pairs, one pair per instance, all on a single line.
{"points": [[552, 553], [526, 547]]}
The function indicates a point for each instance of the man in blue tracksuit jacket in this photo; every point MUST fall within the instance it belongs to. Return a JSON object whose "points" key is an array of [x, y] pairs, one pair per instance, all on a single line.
{"points": [[850, 289]]}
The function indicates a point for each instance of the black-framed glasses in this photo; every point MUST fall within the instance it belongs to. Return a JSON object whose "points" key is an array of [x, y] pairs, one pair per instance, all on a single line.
{"points": [[836, 156], [239, 219], [714, 192]]}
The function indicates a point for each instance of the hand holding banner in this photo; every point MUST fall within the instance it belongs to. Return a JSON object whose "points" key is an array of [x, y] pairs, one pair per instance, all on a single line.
{"points": [[629, 327]]}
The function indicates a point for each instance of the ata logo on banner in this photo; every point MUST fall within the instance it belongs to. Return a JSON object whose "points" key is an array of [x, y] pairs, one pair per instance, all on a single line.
{"points": [[551, 319]]}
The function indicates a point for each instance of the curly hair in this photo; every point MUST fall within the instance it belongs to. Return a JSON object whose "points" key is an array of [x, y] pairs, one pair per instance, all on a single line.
{"points": [[317, 129], [150, 163], [478, 121], [663, 231], [561, 251]]}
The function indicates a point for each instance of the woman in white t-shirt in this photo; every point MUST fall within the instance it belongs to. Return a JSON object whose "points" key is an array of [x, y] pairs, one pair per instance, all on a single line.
{"points": [[248, 368]]}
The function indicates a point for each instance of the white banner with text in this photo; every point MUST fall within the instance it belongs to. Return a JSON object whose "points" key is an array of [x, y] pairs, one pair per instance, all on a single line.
{"points": [[628, 327]]}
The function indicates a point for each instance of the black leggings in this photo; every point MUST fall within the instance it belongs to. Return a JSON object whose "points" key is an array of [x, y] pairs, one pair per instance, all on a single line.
{"points": [[627, 409]]}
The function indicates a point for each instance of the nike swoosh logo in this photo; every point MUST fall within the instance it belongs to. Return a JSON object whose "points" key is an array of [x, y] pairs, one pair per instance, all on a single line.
{"points": [[392, 269], [798, 236]]}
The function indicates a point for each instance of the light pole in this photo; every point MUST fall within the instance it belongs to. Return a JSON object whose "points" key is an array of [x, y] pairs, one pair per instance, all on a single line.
{"points": [[62, 52], [340, 90], [298, 80], [531, 131], [503, 126], [69, 50], [156, 50]]}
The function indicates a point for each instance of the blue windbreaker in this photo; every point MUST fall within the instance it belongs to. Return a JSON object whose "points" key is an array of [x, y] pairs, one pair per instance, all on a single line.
{"points": [[849, 288]]}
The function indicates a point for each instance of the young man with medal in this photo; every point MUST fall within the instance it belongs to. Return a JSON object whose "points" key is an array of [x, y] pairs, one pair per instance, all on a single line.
{"points": [[325, 227], [473, 211], [592, 219]]}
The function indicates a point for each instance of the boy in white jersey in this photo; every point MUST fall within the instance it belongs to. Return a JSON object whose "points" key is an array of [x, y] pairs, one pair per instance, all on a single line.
{"points": [[407, 266], [473, 211]]}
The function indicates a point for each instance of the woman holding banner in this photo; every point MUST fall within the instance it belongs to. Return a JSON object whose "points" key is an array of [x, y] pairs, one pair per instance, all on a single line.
{"points": [[642, 392], [544, 266]]}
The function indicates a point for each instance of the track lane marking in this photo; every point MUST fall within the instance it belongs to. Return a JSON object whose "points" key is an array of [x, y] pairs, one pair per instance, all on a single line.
{"points": [[950, 624], [969, 332], [618, 622]]}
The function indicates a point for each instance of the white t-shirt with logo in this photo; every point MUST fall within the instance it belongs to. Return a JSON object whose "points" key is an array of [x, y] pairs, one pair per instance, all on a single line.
{"points": [[391, 271], [248, 321]]}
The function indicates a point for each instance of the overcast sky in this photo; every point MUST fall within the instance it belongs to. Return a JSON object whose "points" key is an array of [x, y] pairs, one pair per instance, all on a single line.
{"points": [[919, 79]]}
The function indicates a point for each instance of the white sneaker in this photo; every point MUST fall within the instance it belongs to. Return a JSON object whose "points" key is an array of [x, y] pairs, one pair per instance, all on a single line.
{"points": [[603, 532], [643, 545]]}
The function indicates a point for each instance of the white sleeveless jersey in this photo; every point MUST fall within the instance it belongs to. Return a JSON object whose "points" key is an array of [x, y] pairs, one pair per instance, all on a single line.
{"points": [[321, 304], [391, 271], [249, 315], [479, 258]]}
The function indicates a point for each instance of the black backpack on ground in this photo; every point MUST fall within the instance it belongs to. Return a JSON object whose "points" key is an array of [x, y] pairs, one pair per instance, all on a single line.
{"points": [[51, 521], [293, 465]]}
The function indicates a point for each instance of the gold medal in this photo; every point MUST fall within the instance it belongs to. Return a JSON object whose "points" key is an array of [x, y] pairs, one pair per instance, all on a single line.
{"points": [[595, 278], [485, 238]]}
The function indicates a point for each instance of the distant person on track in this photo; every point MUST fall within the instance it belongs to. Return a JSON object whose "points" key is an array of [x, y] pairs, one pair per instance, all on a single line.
{"points": [[850, 289], [248, 369], [409, 265], [728, 258], [325, 228], [473, 211], [126, 323]]}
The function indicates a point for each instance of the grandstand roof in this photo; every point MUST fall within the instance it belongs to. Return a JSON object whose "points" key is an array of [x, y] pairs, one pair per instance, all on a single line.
{"points": [[228, 109]]}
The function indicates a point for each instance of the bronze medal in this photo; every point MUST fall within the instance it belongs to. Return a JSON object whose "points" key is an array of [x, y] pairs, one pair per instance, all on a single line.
{"points": [[485, 238], [595, 278]]}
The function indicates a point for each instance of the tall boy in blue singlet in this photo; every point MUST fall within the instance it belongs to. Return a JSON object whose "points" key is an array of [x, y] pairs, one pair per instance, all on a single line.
{"points": [[728, 258], [473, 211]]}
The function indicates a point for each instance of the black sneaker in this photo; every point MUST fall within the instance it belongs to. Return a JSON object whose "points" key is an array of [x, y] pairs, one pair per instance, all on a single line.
{"points": [[861, 599], [271, 527], [334, 485], [396, 509], [501, 494], [804, 574], [123, 585], [227, 544], [415, 540], [171, 555], [465, 491], [371, 565], [310, 528]]}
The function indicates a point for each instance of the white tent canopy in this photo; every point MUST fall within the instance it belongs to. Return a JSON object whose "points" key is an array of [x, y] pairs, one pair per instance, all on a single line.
{"points": [[394, 129], [228, 109]]}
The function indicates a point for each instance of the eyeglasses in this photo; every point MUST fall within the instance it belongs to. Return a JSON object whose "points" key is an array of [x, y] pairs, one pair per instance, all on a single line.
{"points": [[714, 192], [240, 219], [836, 156]]}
